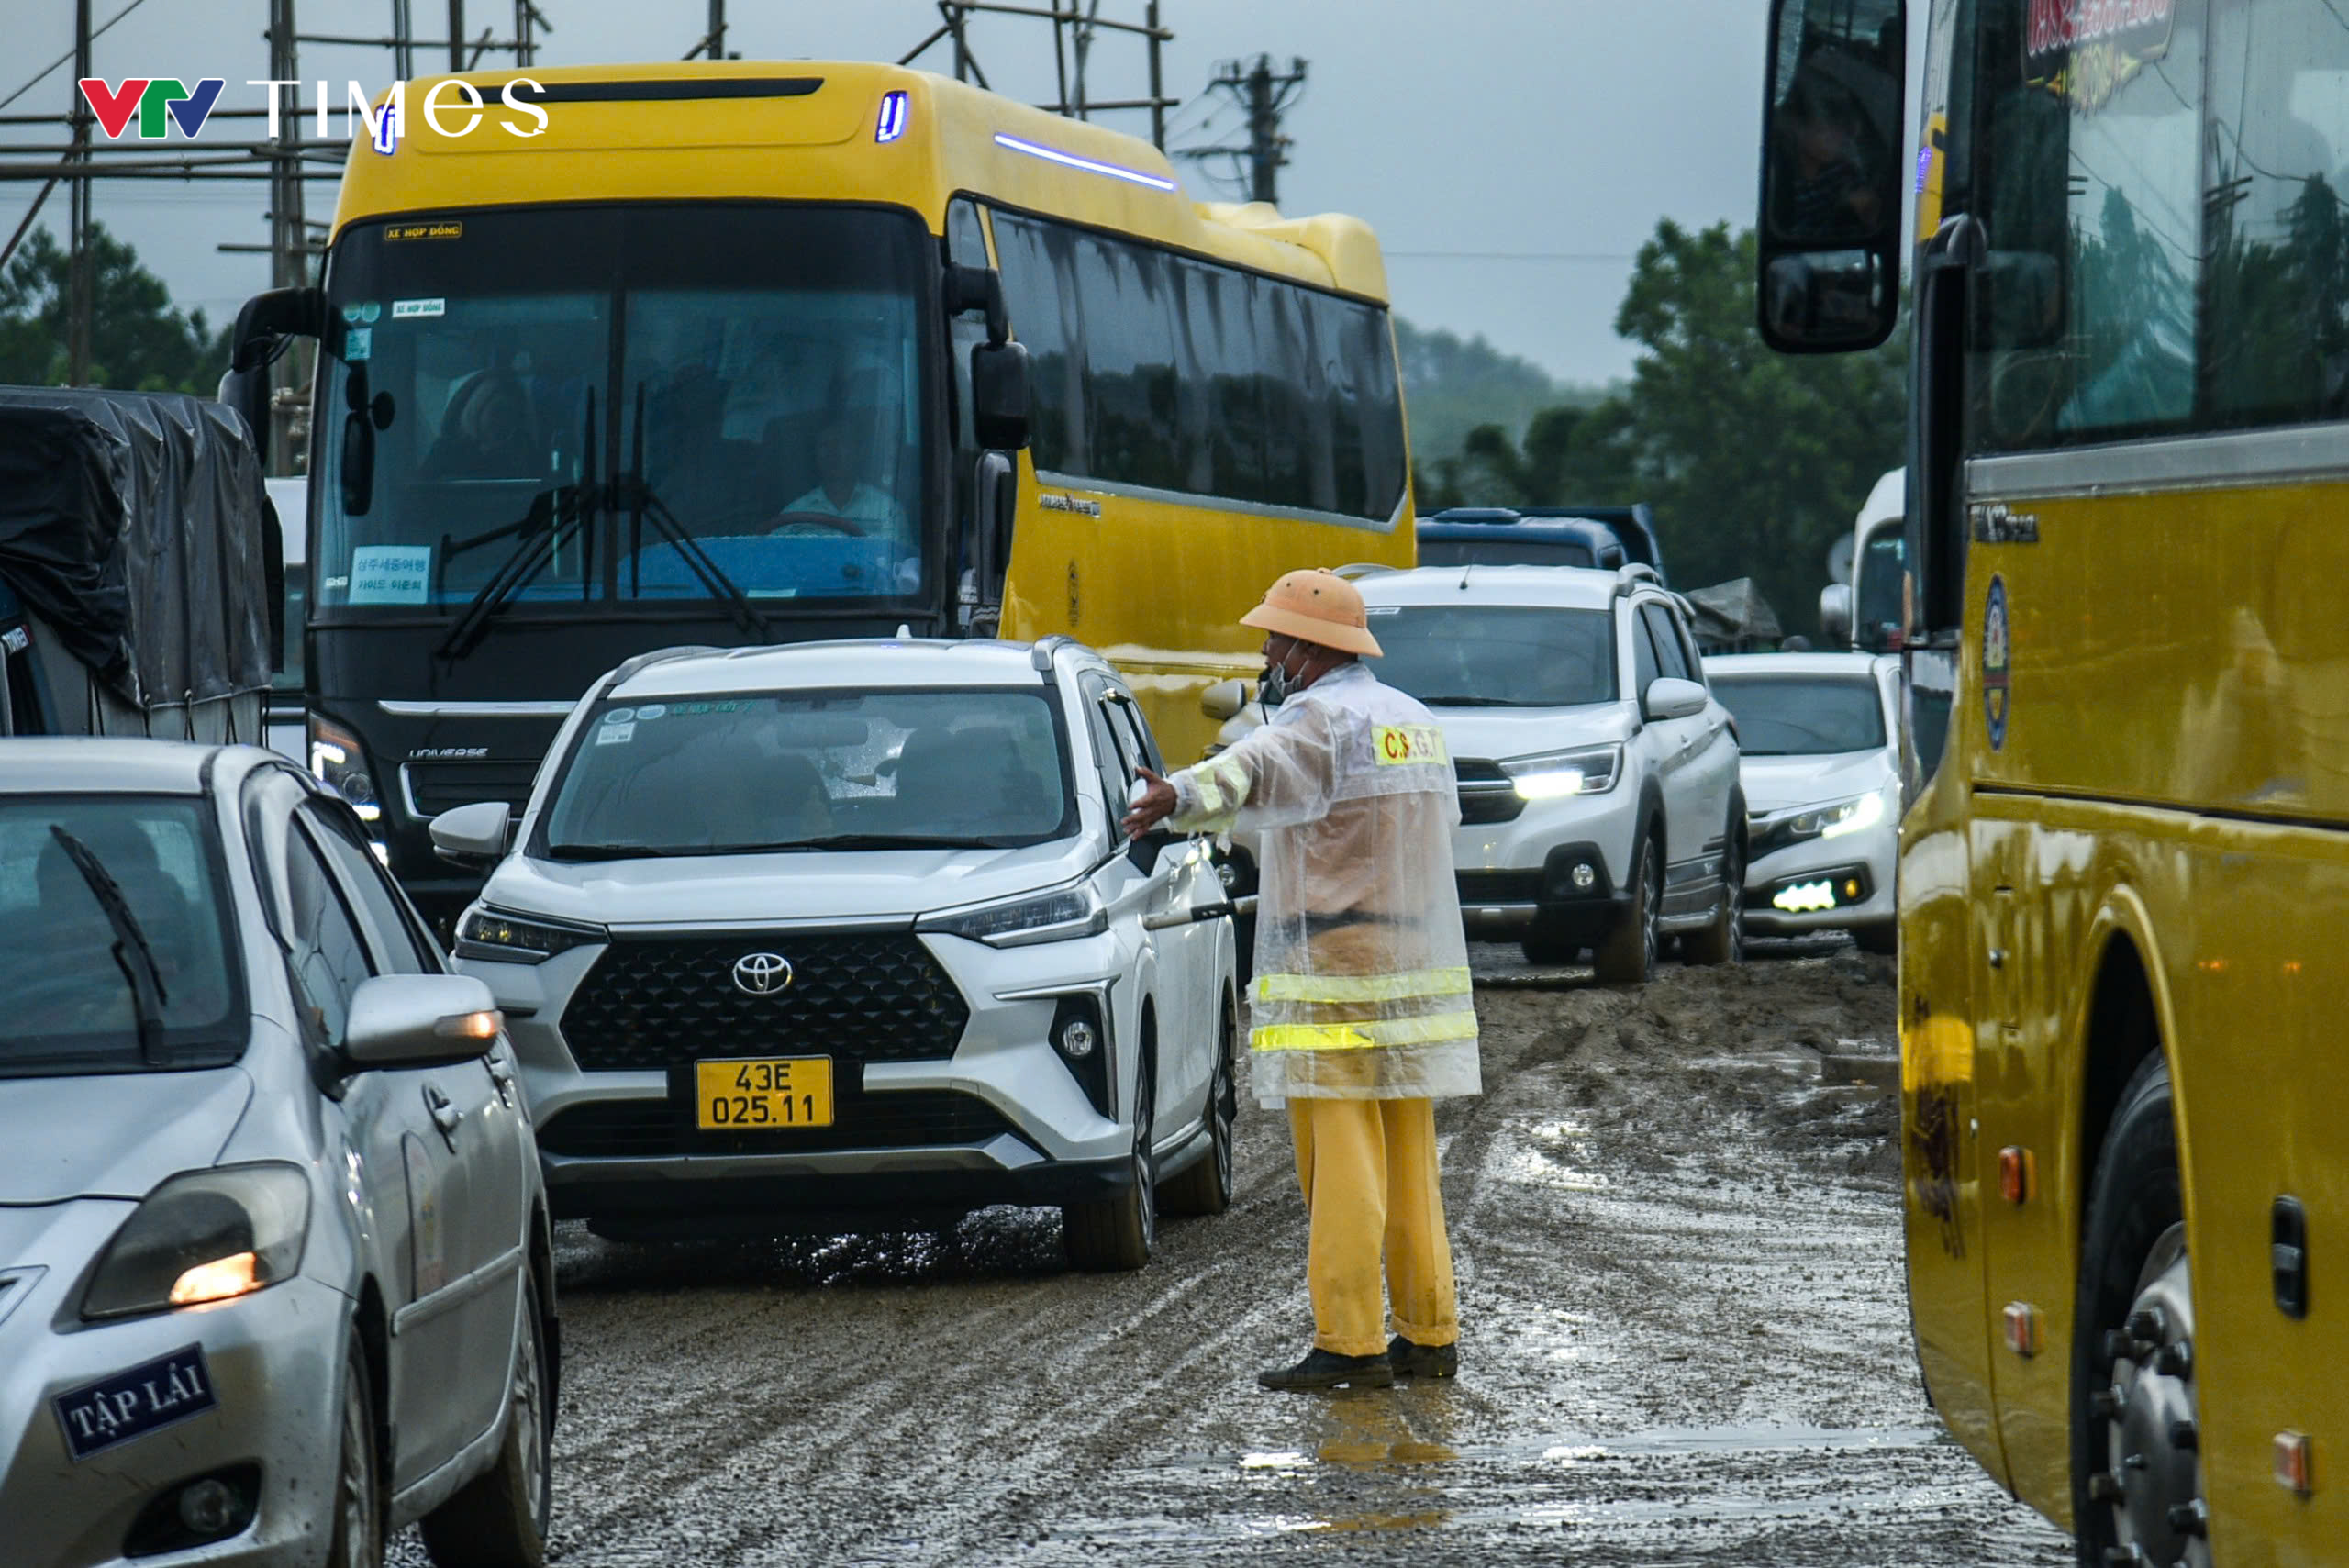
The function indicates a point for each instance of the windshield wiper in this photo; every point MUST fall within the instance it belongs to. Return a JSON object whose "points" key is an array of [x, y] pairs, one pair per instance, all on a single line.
{"points": [[630, 494], [615, 851], [1478, 702], [864, 841], [147, 993], [557, 513]]}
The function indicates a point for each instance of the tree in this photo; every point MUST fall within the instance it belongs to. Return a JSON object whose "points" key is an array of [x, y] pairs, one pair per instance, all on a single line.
{"points": [[1753, 461], [137, 339]]}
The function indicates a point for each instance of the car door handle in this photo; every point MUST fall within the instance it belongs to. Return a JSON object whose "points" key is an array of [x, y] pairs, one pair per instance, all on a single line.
{"points": [[445, 1114], [502, 1077]]}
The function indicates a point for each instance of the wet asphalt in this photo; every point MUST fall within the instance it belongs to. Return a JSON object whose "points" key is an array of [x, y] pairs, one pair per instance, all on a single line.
{"points": [[1685, 1341]]}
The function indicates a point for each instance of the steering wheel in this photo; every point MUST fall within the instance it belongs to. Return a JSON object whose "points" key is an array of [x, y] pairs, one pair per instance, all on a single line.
{"points": [[782, 520]]}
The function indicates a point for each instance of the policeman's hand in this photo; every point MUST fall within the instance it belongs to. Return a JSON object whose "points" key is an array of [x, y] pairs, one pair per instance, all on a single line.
{"points": [[1153, 803]]}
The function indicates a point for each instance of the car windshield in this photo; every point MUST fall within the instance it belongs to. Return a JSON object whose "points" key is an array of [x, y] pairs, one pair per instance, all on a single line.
{"points": [[1512, 550], [1496, 655], [70, 1008], [1802, 716], [741, 773], [641, 396]]}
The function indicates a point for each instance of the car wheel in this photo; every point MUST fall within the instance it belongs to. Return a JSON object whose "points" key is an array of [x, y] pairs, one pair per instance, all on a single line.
{"points": [[1723, 941], [1206, 1187], [358, 1523], [1628, 955], [1544, 945], [1884, 938], [2136, 1470], [498, 1519], [1115, 1234]]}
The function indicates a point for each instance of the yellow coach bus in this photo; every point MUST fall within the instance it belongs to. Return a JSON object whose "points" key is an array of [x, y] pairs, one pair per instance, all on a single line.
{"points": [[2125, 863], [618, 358]]}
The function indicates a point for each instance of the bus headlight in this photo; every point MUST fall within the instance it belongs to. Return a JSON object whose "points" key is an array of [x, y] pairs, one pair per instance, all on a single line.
{"points": [[340, 764]]}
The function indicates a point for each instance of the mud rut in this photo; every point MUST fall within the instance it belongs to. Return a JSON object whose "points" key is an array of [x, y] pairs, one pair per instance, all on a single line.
{"points": [[1685, 1341]]}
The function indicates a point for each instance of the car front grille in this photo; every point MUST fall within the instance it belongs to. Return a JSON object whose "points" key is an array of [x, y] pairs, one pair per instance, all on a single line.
{"points": [[436, 787], [908, 1118], [652, 1003], [1486, 794], [1491, 887]]}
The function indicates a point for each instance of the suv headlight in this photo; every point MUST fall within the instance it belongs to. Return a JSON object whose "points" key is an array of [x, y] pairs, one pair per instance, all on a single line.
{"points": [[1830, 821], [509, 938], [1059, 916], [204, 1236], [340, 764], [1547, 775]]}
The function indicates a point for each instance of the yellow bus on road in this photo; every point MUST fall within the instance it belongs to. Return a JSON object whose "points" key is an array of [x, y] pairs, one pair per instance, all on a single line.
{"points": [[2124, 868], [618, 358]]}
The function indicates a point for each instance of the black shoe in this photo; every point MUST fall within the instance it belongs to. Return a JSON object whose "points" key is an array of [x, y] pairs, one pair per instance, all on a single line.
{"points": [[1322, 1369], [1422, 1360]]}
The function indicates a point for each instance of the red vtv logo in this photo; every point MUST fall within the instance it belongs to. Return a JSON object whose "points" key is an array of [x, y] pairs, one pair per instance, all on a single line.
{"points": [[160, 102]]}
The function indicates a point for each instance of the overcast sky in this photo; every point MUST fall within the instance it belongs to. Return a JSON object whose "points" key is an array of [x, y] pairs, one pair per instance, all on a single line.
{"points": [[1512, 154]]}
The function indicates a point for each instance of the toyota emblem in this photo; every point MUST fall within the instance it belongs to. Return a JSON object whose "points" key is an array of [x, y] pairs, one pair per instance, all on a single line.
{"points": [[761, 973]]}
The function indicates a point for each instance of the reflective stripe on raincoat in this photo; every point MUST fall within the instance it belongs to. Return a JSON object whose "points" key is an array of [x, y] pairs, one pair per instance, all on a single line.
{"points": [[1361, 987]]}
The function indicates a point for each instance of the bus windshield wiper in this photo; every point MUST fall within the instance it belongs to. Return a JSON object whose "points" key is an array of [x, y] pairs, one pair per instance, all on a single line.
{"points": [[556, 514], [632, 494], [147, 993]]}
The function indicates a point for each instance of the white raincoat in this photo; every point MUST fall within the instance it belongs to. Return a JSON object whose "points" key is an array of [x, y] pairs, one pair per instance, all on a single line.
{"points": [[1362, 967]]}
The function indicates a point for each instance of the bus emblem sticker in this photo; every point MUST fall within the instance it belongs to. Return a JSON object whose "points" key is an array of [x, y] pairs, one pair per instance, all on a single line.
{"points": [[1995, 656]]}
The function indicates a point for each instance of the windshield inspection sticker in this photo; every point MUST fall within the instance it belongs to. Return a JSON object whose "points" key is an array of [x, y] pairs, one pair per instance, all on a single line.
{"points": [[391, 573], [619, 715], [651, 710], [358, 343], [615, 734], [131, 1404], [405, 309]]}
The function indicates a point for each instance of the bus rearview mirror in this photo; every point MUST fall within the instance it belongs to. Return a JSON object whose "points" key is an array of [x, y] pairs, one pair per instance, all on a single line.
{"points": [[999, 396]]}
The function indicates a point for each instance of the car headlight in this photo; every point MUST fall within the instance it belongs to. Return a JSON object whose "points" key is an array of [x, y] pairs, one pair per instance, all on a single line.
{"points": [[204, 1236], [509, 938], [1548, 775], [1058, 916], [1829, 821], [340, 764]]}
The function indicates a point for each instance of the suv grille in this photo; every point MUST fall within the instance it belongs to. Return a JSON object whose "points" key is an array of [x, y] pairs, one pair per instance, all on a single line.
{"points": [[436, 787], [854, 996], [1490, 887], [910, 1118], [1486, 794]]}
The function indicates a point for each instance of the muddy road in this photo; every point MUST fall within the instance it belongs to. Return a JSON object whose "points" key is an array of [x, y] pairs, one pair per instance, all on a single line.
{"points": [[1685, 1341]]}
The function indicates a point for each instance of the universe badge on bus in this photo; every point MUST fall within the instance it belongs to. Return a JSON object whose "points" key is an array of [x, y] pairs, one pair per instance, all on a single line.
{"points": [[1996, 654], [762, 1094]]}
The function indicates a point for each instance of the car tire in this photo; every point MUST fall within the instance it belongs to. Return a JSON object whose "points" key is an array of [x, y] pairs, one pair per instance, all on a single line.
{"points": [[498, 1519], [1207, 1186], [357, 1521], [2133, 1393], [1628, 955], [1723, 941], [1546, 945], [1114, 1235], [1882, 938]]}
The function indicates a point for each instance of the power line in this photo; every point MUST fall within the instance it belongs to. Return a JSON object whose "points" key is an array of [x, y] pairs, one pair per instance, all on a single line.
{"points": [[1266, 96]]}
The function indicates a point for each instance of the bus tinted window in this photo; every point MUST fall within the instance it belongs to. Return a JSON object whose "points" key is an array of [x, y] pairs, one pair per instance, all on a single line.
{"points": [[1158, 369]]}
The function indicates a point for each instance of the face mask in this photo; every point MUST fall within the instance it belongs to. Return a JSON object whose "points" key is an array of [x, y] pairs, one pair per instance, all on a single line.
{"points": [[1273, 690]]}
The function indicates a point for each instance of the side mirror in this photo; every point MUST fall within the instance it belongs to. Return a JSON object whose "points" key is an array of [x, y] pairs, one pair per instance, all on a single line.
{"points": [[471, 836], [1835, 612], [1668, 696], [1224, 699], [1144, 852], [247, 391], [415, 1020], [1833, 132], [263, 327], [978, 288], [999, 396]]}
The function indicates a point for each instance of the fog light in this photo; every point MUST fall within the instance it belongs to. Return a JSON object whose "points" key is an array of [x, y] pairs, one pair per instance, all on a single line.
{"points": [[1076, 1040], [1583, 877], [208, 1508]]}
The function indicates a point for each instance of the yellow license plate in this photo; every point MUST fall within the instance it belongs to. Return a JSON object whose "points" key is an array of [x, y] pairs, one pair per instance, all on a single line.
{"points": [[762, 1094]]}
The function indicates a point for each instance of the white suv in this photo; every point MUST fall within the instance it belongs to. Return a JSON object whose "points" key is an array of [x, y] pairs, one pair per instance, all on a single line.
{"points": [[1599, 787], [846, 932]]}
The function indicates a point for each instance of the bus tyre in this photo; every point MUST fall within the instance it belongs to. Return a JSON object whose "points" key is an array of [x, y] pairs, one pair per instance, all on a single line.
{"points": [[2137, 1489], [1628, 955], [499, 1518], [1114, 1234], [1723, 940]]}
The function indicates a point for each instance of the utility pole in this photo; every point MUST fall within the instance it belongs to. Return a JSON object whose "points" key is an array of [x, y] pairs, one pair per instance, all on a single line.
{"points": [[456, 36], [1265, 96], [289, 244], [81, 286]]}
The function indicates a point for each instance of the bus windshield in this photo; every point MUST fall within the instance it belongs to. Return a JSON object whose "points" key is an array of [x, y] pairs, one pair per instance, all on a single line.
{"points": [[619, 402]]}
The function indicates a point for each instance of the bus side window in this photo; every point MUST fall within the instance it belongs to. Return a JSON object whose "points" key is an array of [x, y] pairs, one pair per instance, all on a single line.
{"points": [[966, 246]]}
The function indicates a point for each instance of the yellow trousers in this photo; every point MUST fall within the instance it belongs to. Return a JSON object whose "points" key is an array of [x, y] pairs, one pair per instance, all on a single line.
{"points": [[1368, 1170]]}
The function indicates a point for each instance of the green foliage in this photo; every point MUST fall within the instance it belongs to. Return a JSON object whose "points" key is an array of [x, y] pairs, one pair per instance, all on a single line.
{"points": [[137, 339], [1755, 462], [1452, 385]]}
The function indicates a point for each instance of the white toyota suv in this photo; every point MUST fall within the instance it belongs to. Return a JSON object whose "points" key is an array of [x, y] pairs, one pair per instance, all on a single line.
{"points": [[1599, 787], [843, 934]]}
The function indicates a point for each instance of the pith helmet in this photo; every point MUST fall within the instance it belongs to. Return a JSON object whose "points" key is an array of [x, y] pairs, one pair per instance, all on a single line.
{"points": [[1316, 607]]}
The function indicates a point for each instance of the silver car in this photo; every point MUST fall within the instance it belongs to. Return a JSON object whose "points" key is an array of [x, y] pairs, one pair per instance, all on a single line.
{"points": [[274, 1264], [845, 934], [1821, 763]]}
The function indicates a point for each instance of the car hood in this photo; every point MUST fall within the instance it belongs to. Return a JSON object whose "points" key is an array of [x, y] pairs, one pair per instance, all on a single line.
{"points": [[1781, 784], [115, 1134], [1502, 732], [801, 886]]}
